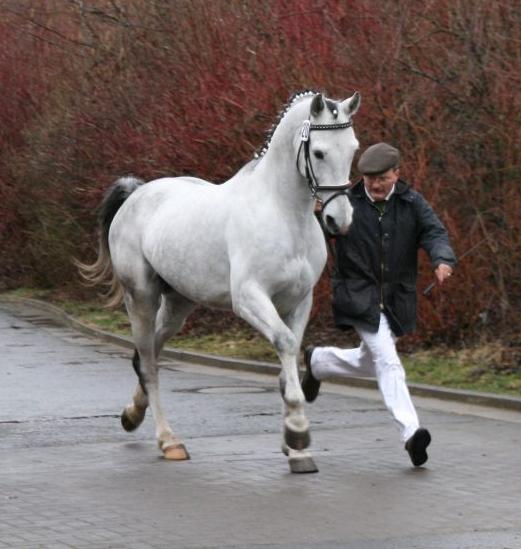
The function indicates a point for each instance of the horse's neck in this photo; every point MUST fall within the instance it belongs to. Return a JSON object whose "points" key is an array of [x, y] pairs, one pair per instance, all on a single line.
{"points": [[277, 180], [275, 176]]}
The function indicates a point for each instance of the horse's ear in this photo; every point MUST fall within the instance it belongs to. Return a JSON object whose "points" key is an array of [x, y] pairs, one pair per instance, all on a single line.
{"points": [[317, 104], [352, 104]]}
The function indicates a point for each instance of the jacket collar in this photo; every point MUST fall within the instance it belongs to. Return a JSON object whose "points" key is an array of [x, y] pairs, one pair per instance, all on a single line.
{"points": [[401, 189]]}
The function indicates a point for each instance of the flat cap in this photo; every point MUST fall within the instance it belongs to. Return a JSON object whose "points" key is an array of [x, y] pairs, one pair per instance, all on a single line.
{"points": [[378, 159]]}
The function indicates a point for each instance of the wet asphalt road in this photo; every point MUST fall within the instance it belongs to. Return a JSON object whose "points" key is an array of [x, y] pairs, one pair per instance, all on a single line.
{"points": [[71, 477]]}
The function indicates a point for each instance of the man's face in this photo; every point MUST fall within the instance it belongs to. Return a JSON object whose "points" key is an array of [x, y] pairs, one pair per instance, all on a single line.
{"points": [[379, 186]]}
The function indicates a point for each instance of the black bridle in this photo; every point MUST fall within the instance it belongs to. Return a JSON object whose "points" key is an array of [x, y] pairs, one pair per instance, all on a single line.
{"points": [[314, 185]]}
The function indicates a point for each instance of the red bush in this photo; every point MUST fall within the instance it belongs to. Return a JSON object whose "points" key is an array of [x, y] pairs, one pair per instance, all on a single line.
{"points": [[191, 86]]}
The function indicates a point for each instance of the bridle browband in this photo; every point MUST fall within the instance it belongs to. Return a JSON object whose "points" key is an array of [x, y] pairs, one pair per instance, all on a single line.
{"points": [[314, 186]]}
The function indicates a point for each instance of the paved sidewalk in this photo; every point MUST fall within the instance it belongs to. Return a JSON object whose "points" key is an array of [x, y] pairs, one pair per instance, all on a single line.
{"points": [[71, 477]]}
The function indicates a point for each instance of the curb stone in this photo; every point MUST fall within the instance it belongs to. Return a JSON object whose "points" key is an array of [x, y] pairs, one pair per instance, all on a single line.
{"points": [[417, 389]]}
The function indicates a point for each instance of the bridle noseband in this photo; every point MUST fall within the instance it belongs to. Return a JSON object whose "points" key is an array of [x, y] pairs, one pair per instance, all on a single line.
{"points": [[314, 186]]}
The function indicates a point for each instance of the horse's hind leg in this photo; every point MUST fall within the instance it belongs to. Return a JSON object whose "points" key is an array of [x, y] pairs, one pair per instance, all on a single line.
{"points": [[168, 321], [142, 308]]}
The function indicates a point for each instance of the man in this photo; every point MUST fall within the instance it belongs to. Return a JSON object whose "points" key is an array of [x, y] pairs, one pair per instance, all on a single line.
{"points": [[374, 287]]}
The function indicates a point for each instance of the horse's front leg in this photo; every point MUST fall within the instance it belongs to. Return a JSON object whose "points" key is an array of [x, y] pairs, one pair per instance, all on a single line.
{"points": [[253, 304], [300, 461]]}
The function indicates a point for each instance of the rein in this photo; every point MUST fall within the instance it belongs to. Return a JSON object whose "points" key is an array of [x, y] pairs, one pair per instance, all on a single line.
{"points": [[314, 185]]}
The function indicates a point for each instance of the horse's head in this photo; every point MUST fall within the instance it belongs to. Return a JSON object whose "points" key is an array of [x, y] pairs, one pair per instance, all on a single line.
{"points": [[325, 153]]}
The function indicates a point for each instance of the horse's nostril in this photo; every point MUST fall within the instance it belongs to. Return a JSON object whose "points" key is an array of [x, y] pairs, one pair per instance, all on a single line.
{"points": [[332, 225]]}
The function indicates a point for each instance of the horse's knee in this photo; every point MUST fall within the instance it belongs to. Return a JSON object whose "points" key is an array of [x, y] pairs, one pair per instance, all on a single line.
{"points": [[286, 344]]}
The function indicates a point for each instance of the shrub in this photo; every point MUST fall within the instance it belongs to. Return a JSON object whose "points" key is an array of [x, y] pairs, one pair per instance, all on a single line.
{"points": [[190, 87]]}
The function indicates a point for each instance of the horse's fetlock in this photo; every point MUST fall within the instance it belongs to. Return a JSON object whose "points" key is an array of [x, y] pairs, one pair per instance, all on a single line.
{"points": [[297, 423], [293, 397], [165, 437], [132, 417]]}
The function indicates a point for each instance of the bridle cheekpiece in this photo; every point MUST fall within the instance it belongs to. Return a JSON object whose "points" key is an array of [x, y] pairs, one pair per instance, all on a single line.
{"points": [[314, 185]]}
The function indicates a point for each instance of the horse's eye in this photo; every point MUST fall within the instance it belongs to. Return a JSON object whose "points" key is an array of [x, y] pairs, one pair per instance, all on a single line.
{"points": [[319, 155]]}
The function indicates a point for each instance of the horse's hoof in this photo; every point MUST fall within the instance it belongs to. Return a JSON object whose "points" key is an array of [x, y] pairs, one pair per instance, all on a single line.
{"points": [[177, 452], [130, 424], [297, 440], [302, 465]]}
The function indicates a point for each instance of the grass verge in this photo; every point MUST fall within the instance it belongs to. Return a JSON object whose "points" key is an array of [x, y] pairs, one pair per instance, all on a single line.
{"points": [[478, 368]]}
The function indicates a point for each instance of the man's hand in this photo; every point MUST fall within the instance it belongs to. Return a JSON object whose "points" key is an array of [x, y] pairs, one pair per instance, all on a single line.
{"points": [[442, 272]]}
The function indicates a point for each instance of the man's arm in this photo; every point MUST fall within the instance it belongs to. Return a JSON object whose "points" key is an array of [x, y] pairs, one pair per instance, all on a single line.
{"points": [[434, 239]]}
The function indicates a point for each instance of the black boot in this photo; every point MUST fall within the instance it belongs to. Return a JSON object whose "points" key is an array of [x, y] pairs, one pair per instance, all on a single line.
{"points": [[416, 446]]}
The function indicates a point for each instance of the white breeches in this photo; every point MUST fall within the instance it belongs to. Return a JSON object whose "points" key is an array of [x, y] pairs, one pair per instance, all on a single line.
{"points": [[376, 356]]}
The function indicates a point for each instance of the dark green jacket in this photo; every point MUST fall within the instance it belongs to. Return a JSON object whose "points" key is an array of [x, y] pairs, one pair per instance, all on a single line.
{"points": [[377, 260]]}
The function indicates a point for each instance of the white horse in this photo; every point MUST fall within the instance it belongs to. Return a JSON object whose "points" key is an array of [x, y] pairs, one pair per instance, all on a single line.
{"points": [[252, 244]]}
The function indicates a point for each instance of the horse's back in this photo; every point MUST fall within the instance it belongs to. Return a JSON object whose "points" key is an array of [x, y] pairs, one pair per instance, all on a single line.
{"points": [[162, 197], [185, 181], [177, 226]]}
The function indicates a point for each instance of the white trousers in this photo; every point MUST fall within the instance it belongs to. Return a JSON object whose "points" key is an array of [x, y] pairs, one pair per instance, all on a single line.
{"points": [[376, 357]]}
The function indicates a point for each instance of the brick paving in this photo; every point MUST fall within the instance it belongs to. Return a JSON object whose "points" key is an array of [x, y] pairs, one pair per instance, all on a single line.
{"points": [[71, 477]]}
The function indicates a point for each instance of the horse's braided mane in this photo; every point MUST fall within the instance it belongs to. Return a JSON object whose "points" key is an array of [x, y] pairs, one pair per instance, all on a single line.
{"points": [[295, 97]]}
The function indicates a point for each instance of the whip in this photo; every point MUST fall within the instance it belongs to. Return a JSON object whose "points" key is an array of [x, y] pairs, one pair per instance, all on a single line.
{"points": [[429, 288]]}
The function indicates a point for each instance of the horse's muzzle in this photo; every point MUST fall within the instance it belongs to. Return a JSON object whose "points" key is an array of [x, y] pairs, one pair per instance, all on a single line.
{"points": [[334, 228]]}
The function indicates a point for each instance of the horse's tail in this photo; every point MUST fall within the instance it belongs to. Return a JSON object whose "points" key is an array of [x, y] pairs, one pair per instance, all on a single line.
{"points": [[101, 272]]}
